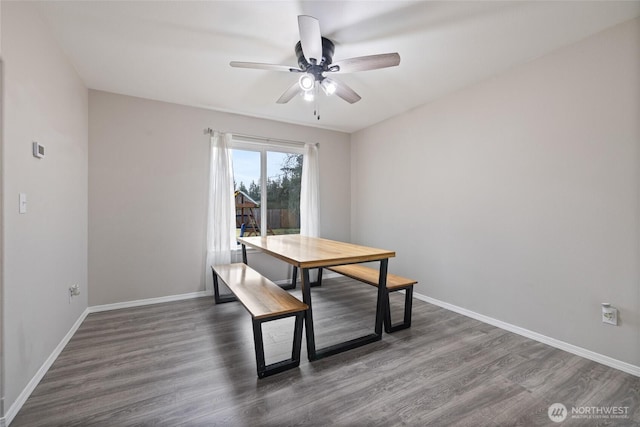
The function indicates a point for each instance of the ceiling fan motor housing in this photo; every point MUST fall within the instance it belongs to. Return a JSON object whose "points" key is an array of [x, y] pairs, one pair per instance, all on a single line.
{"points": [[328, 48]]}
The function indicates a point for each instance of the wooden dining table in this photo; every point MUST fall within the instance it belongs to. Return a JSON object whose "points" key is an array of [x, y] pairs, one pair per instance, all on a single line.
{"points": [[306, 253]]}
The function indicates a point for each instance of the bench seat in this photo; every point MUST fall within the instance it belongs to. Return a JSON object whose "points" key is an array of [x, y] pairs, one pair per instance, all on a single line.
{"points": [[371, 276], [265, 301]]}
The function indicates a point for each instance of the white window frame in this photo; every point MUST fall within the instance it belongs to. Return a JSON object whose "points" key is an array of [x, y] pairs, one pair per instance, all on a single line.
{"points": [[263, 146]]}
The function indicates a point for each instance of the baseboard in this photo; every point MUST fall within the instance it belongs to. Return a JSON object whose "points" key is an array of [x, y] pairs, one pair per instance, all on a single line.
{"points": [[148, 301], [22, 398], [578, 351]]}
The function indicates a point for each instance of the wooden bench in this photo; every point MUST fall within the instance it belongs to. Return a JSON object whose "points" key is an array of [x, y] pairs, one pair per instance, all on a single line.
{"points": [[265, 301], [394, 283]]}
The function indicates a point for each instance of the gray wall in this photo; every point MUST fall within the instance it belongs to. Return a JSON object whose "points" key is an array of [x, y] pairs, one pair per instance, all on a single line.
{"points": [[46, 248], [148, 181], [518, 198]]}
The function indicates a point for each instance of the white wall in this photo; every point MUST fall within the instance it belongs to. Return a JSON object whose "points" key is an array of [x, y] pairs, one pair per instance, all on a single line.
{"points": [[148, 180], [518, 198], [46, 248]]}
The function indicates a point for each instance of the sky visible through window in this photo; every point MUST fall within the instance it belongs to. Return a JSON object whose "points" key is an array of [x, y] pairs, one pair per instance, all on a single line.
{"points": [[246, 166]]}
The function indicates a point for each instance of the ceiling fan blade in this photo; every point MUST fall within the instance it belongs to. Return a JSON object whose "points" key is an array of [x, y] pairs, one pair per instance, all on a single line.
{"points": [[346, 93], [288, 94], [364, 63], [310, 37], [260, 66]]}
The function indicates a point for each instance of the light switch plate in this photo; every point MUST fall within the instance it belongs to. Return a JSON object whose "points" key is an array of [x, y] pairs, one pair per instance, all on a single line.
{"points": [[22, 201]]}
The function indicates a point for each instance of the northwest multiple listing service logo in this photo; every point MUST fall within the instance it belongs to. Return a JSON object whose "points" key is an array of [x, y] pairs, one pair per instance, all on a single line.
{"points": [[558, 412]]}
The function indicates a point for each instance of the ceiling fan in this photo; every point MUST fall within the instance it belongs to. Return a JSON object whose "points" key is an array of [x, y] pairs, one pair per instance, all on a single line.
{"points": [[315, 64]]}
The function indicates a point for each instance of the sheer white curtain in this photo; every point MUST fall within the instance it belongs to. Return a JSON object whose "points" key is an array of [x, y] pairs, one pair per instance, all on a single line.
{"points": [[221, 221], [310, 192]]}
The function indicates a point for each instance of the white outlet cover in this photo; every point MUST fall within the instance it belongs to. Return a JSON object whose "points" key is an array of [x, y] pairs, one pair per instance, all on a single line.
{"points": [[610, 315]]}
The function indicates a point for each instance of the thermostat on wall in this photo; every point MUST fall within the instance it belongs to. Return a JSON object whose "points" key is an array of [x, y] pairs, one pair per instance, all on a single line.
{"points": [[38, 150]]}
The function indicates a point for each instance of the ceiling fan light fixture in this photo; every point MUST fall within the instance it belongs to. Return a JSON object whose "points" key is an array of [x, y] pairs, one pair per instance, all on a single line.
{"points": [[329, 86], [307, 82], [308, 95]]}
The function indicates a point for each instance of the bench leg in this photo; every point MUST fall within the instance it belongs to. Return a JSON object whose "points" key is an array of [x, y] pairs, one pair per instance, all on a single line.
{"points": [[318, 282], [294, 280], [219, 299], [265, 370], [406, 323], [311, 284]]}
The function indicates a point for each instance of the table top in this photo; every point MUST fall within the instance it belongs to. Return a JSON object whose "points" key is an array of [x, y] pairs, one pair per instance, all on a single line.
{"points": [[312, 252]]}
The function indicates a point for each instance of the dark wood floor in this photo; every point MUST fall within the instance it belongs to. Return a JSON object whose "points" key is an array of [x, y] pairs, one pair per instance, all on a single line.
{"points": [[192, 363]]}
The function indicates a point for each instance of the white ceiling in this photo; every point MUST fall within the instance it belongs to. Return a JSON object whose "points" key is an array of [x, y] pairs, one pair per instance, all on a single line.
{"points": [[180, 51]]}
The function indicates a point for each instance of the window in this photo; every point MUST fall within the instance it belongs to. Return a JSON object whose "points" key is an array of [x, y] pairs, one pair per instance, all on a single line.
{"points": [[267, 181]]}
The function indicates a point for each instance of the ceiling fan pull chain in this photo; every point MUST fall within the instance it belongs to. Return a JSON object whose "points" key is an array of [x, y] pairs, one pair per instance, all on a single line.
{"points": [[317, 88], [316, 112]]}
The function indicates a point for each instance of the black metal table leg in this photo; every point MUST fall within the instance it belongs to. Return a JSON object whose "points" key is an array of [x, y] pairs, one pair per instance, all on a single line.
{"points": [[315, 284], [244, 254], [382, 288], [315, 354], [308, 317], [294, 277]]}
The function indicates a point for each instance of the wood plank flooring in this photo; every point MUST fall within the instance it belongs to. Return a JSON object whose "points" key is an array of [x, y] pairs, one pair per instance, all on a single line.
{"points": [[191, 363]]}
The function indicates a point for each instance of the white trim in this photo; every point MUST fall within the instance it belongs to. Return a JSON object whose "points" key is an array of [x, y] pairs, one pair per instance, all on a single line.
{"points": [[26, 392], [579, 351], [148, 301]]}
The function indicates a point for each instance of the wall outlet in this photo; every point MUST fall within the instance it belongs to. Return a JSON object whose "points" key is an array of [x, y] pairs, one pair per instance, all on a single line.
{"points": [[74, 290], [38, 150], [609, 314]]}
